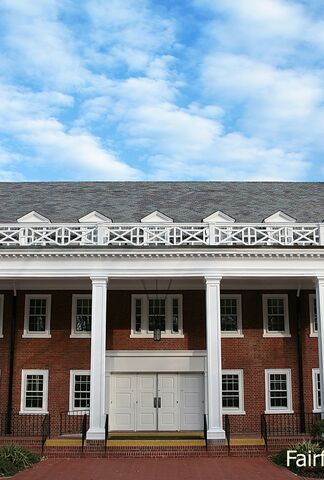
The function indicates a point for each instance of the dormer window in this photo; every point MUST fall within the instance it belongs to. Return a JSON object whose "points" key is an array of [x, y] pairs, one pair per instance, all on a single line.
{"points": [[95, 217], [156, 217], [279, 217], [219, 217], [33, 217]]}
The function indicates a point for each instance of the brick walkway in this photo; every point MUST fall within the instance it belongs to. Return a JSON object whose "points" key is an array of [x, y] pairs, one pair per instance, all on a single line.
{"points": [[157, 469]]}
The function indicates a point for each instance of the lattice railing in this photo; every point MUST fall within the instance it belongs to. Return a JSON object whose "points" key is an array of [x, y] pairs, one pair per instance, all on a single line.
{"points": [[139, 235]]}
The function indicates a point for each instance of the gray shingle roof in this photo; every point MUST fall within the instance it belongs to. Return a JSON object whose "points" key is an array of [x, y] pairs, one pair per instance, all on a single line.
{"points": [[182, 201]]}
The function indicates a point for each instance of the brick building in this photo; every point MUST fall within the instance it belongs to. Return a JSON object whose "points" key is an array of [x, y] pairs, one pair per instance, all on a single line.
{"points": [[160, 303]]}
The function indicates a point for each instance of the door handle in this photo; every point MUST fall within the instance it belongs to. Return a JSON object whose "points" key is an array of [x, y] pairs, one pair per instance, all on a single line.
{"points": [[159, 402], [155, 402]]}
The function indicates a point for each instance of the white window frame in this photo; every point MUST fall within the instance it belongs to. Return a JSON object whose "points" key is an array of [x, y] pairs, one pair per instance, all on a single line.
{"points": [[312, 331], [145, 333], [74, 332], [47, 332], [23, 409], [73, 373], [1, 314], [240, 410], [316, 406], [280, 371], [239, 332], [286, 331]]}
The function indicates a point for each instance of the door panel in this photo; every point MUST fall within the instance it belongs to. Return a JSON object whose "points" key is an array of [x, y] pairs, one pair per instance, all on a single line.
{"points": [[122, 402], [192, 401], [168, 413], [146, 414]]}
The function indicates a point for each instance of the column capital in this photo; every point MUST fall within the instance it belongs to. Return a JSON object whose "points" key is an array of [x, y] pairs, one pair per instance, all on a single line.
{"points": [[99, 279], [213, 279], [320, 280]]}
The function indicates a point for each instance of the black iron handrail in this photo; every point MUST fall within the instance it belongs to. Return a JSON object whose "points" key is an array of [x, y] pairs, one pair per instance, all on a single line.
{"points": [[290, 424], [264, 430], [71, 422], [205, 431], [227, 428], [21, 425], [106, 430], [46, 430], [84, 429]]}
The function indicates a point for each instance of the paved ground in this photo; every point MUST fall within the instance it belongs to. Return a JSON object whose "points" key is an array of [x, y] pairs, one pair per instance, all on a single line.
{"points": [[157, 469]]}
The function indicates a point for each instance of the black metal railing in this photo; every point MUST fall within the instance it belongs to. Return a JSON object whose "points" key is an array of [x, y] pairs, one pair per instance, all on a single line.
{"points": [[21, 425], [205, 431], [264, 430], [84, 429], [71, 422], [290, 424], [106, 430], [46, 430], [227, 428]]}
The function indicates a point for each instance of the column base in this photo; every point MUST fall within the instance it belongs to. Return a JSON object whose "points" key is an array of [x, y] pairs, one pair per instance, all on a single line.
{"points": [[96, 434], [215, 434]]}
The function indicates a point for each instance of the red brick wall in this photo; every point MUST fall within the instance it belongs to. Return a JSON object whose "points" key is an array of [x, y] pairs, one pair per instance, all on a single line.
{"points": [[253, 353]]}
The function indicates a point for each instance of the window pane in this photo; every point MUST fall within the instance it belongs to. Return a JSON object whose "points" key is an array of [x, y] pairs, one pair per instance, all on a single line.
{"points": [[230, 391], [138, 315], [82, 392], [37, 315], [156, 314], [34, 391], [276, 315], [229, 315], [175, 315], [278, 390], [318, 389], [83, 315], [315, 315]]}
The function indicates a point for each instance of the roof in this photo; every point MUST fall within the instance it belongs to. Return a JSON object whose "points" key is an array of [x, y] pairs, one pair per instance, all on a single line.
{"points": [[183, 201]]}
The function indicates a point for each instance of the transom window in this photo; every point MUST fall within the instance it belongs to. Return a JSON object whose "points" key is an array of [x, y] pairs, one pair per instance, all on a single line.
{"points": [[81, 315], [278, 391], [316, 389], [275, 315], [34, 391], [150, 312], [37, 316], [79, 390], [232, 391], [231, 317], [313, 316]]}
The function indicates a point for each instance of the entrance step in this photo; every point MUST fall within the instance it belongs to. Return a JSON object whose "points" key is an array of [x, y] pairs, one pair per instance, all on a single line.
{"points": [[247, 441]]}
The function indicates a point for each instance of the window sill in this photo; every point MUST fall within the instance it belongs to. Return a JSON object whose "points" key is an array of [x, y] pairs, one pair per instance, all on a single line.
{"points": [[77, 412], [316, 410], [276, 335], [1, 335], [33, 412], [279, 412], [80, 335], [150, 335], [232, 335], [36, 335], [313, 334], [233, 412]]}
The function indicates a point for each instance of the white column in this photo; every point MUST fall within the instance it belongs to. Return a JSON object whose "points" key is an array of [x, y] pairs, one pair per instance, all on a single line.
{"points": [[320, 323], [214, 359], [98, 359]]}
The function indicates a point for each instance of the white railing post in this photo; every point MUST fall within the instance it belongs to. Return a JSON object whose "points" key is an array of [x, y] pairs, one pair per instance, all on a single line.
{"points": [[98, 359], [321, 233], [212, 236]]}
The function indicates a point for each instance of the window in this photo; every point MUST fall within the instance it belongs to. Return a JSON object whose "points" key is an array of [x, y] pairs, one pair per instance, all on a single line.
{"points": [[278, 391], [79, 390], [34, 391], [275, 315], [313, 316], [232, 391], [156, 311], [37, 316], [1, 315], [316, 390], [81, 315], [231, 316]]}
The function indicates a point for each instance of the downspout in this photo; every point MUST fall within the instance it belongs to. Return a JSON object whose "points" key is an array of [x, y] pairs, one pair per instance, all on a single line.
{"points": [[300, 364], [12, 347]]}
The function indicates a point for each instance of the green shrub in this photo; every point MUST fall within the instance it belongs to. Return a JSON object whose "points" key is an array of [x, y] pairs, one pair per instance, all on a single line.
{"points": [[317, 429], [18, 457], [7, 468]]}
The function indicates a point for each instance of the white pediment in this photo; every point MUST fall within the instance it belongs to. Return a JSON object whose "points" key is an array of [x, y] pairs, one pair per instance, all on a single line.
{"points": [[156, 217], [279, 217], [33, 217], [218, 217], [94, 217]]}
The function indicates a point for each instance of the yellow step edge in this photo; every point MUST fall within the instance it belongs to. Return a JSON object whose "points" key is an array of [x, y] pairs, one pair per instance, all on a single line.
{"points": [[246, 441], [156, 434], [155, 443], [58, 442]]}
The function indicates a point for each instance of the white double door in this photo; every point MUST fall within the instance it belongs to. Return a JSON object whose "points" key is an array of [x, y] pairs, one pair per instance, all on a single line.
{"points": [[156, 402]]}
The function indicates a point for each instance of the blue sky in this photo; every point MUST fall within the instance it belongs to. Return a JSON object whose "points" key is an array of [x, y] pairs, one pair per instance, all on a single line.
{"points": [[161, 90]]}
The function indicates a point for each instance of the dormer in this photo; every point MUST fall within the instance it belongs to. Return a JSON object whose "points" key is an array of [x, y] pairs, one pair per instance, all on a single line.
{"points": [[279, 217], [95, 217], [218, 217], [33, 217], [156, 217]]}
